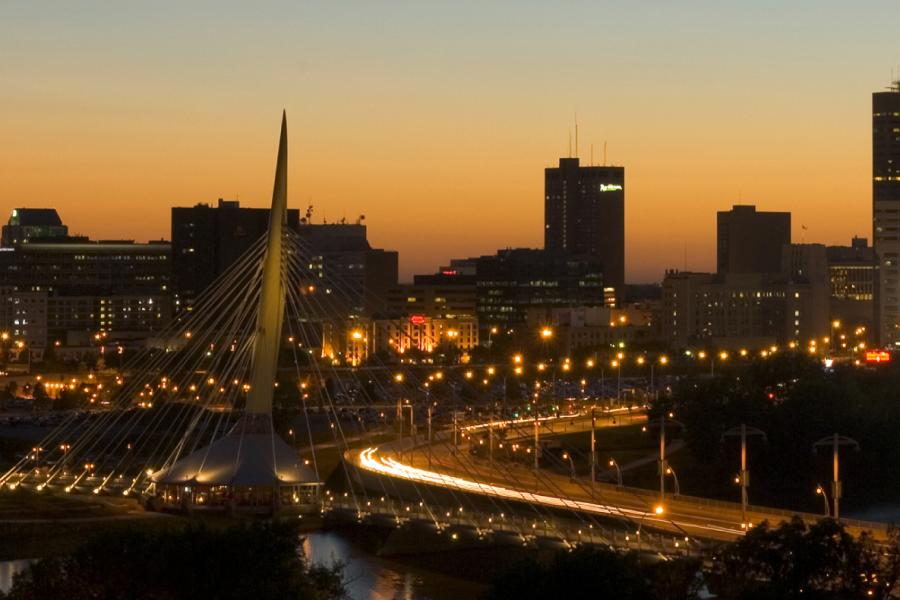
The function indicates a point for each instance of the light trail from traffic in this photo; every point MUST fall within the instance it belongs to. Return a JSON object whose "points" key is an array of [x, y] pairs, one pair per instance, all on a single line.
{"points": [[370, 460]]}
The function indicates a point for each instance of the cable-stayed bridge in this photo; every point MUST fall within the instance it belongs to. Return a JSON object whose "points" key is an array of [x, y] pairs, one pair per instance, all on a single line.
{"points": [[190, 427]]}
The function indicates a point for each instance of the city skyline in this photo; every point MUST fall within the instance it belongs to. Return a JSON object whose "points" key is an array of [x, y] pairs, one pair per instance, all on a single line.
{"points": [[448, 136]]}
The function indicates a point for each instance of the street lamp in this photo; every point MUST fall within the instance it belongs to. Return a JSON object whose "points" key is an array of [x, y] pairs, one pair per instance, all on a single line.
{"points": [[671, 471], [835, 441], [821, 491], [743, 477], [615, 465], [567, 456]]}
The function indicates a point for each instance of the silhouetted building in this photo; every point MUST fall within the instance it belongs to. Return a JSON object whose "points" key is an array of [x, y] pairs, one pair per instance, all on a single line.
{"points": [[434, 296], [750, 241], [207, 240], [886, 211], [513, 280], [356, 276], [26, 224], [584, 215]]}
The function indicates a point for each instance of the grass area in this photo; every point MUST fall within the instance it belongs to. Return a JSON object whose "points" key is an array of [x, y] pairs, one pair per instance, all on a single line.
{"points": [[20, 505]]}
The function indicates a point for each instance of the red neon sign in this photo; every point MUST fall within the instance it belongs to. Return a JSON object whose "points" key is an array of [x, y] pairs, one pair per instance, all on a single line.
{"points": [[417, 320], [878, 356]]}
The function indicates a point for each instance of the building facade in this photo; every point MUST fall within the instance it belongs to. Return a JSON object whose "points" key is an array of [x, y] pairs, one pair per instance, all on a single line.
{"points": [[584, 215], [886, 212], [750, 241], [64, 291], [851, 275], [207, 240]]}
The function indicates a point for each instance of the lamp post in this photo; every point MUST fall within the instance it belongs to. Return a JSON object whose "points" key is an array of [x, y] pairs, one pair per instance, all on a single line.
{"points": [[835, 441], [664, 468], [835, 325], [615, 465], [593, 448], [744, 476], [671, 471], [821, 491], [429, 436], [568, 456]]}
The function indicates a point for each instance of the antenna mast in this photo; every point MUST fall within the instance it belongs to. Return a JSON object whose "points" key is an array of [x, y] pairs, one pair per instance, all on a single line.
{"points": [[576, 135]]}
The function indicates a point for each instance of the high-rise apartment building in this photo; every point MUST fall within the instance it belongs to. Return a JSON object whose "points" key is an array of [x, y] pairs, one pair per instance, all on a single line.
{"points": [[584, 215], [886, 212], [750, 241]]}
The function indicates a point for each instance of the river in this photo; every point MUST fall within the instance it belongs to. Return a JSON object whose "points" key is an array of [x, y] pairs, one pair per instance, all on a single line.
{"points": [[368, 577]]}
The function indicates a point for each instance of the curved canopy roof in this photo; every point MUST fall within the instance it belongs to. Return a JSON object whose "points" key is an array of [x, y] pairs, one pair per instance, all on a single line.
{"points": [[250, 455]]}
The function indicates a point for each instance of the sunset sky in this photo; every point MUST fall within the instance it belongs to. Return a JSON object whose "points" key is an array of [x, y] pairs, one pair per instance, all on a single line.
{"points": [[436, 119]]}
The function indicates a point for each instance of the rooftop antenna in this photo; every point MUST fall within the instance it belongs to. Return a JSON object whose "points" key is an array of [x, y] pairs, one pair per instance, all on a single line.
{"points": [[592, 155], [576, 135], [570, 143], [604, 153]]}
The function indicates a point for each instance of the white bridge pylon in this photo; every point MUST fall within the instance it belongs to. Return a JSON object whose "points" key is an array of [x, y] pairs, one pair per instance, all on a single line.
{"points": [[251, 464]]}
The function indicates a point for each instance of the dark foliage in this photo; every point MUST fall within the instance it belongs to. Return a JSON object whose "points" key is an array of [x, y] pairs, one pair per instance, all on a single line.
{"points": [[597, 573], [796, 402], [258, 561], [795, 560]]}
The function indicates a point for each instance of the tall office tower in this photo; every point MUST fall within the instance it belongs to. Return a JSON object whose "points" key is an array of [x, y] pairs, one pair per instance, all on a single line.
{"points": [[206, 240], [749, 241], [886, 212], [584, 215]]}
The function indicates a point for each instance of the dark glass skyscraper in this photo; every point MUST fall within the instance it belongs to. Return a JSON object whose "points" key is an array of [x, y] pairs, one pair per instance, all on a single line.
{"points": [[584, 215], [886, 211]]}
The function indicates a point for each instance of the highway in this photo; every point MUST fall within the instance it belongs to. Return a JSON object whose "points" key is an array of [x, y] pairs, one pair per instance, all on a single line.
{"points": [[460, 471]]}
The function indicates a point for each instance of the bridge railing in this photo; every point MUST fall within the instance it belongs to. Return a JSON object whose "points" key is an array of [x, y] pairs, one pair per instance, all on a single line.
{"points": [[566, 531]]}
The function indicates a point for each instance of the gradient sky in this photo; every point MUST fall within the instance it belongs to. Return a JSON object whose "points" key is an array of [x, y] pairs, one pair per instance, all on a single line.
{"points": [[436, 119]]}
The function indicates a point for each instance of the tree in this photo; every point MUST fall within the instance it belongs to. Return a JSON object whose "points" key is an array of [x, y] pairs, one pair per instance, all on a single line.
{"points": [[590, 572], [260, 561], [797, 560]]}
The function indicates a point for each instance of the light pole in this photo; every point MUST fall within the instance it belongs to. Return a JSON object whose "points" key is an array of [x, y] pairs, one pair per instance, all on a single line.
{"points": [[821, 491], [593, 448], [744, 476], [671, 471], [663, 464], [615, 465], [835, 441], [662, 460], [835, 325], [491, 436], [429, 436], [537, 440], [568, 456]]}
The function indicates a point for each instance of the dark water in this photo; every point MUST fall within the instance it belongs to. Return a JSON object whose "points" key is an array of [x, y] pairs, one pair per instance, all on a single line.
{"points": [[372, 578], [368, 577]]}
